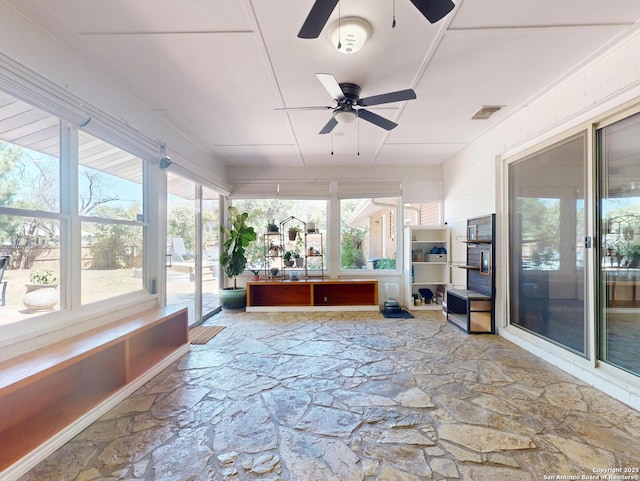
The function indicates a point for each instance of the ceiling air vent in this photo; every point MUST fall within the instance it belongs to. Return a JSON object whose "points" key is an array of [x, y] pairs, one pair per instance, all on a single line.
{"points": [[486, 111]]}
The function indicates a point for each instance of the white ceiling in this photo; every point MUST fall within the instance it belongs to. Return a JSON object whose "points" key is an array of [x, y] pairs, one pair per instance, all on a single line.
{"points": [[217, 69]]}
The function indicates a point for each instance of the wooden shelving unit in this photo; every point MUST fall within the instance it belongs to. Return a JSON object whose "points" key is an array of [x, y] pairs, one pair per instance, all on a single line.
{"points": [[44, 391], [472, 309], [422, 269]]}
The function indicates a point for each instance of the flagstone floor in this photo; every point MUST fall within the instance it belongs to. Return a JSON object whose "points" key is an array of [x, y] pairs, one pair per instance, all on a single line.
{"points": [[354, 396]]}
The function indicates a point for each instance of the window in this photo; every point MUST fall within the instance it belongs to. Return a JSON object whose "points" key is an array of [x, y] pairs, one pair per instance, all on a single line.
{"points": [[368, 233], [31, 223], [89, 221], [110, 205], [422, 214], [263, 211], [109, 180]]}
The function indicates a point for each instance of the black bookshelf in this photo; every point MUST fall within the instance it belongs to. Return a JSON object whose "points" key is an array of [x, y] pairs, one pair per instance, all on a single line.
{"points": [[473, 309]]}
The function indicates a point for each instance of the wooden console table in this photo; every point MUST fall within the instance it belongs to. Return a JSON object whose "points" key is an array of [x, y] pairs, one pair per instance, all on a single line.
{"points": [[313, 295]]}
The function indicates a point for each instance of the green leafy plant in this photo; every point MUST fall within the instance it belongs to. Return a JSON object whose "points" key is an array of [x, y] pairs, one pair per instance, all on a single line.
{"points": [[272, 226], [386, 263], [44, 277], [287, 255], [238, 236]]}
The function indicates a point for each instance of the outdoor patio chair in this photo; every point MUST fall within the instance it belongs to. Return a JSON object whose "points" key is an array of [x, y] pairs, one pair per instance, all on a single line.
{"points": [[178, 250], [4, 262]]}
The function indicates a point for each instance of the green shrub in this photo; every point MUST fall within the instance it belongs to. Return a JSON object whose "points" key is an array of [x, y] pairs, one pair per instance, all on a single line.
{"points": [[44, 277]]}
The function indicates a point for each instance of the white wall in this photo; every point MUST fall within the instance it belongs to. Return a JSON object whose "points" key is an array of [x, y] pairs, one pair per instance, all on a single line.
{"points": [[36, 50], [472, 178]]}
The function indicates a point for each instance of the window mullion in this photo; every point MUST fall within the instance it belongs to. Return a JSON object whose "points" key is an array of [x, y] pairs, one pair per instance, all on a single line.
{"points": [[71, 242]]}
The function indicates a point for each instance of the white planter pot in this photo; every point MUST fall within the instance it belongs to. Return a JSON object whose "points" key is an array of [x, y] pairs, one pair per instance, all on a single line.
{"points": [[40, 297]]}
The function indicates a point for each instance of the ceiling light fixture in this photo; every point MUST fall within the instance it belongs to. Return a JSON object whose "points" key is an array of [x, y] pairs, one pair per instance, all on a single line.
{"points": [[344, 115], [349, 34]]}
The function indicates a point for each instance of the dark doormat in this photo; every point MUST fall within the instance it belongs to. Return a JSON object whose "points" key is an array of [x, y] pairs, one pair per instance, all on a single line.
{"points": [[396, 314]]}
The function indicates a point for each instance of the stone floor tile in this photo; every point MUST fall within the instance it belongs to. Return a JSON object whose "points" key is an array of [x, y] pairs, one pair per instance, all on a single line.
{"points": [[484, 440], [445, 467], [491, 473], [346, 396]]}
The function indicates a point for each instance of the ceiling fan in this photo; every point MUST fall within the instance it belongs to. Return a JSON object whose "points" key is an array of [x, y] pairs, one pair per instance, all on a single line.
{"points": [[347, 97], [433, 10]]}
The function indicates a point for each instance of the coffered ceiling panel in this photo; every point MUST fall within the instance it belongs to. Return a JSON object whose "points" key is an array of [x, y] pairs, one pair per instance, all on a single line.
{"points": [[205, 91], [217, 69], [491, 67]]}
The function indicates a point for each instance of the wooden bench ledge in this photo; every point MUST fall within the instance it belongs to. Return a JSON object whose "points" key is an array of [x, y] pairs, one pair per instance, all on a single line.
{"points": [[48, 395], [61, 353]]}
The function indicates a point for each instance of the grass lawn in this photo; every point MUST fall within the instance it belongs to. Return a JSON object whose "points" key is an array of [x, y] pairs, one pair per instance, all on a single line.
{"points": [[102, 284]]}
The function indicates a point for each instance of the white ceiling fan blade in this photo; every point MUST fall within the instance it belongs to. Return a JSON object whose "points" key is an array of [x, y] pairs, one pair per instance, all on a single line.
{"points": [[331, 85], [318, 107]]}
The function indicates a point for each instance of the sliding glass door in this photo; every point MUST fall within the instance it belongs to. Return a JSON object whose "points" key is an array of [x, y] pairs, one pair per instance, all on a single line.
{"points": [[210, 251], [547, 230], [619, 252], [192, 247]]}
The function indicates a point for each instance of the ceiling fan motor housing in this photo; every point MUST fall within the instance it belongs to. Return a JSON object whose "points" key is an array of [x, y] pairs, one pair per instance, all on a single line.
{"points": [[351, 92]]}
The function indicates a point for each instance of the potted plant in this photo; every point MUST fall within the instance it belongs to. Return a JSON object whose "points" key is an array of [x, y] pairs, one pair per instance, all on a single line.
{"points": [[288, 261], [272, 226], [297, 258], [42, 291], [232, 257], [293, 233], [274, 250], [256, 274]]}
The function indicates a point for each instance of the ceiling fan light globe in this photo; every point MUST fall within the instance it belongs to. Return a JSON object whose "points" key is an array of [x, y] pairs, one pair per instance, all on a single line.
{"points": [[344, 116], [348, 35]]}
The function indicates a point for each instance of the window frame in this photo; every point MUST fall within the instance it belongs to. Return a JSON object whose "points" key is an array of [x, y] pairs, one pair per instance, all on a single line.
{"points": [[579, 133], [71, 308], [399, 207], [260, 231]]}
